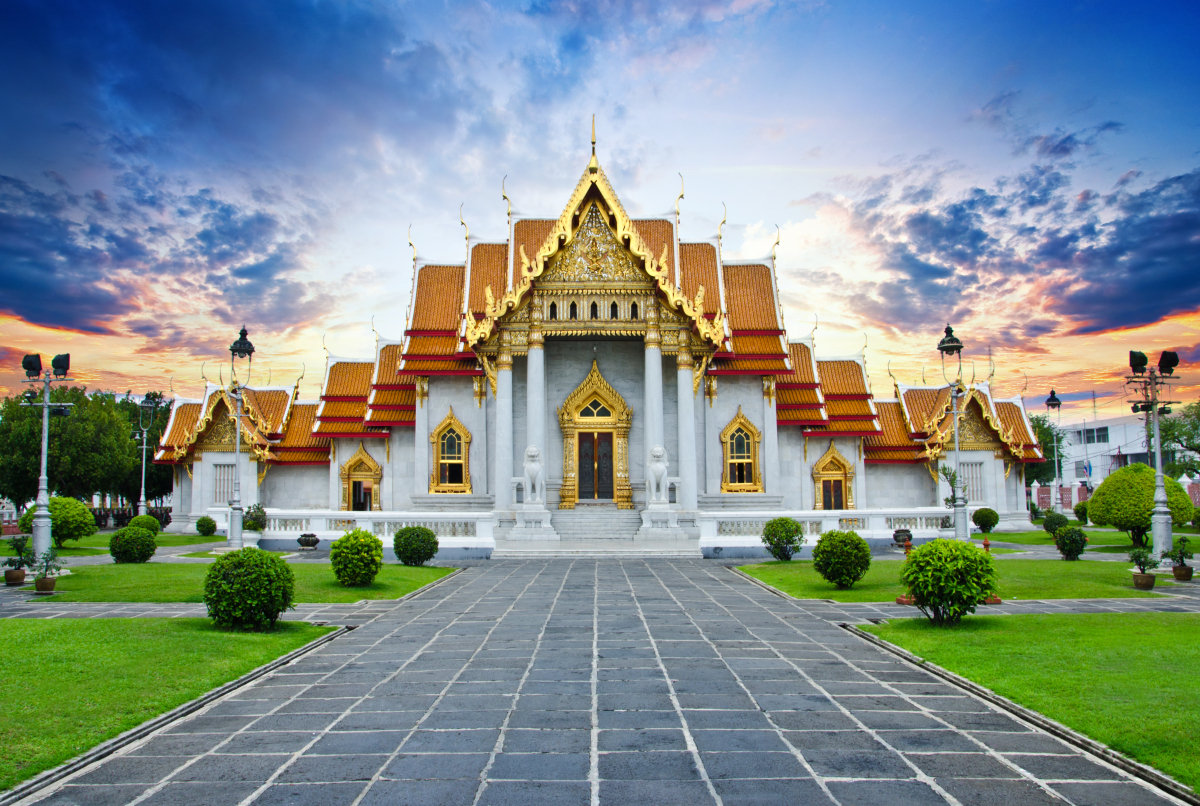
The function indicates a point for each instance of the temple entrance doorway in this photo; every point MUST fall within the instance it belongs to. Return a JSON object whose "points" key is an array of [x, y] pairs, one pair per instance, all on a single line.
{"points": [[595, 465]]}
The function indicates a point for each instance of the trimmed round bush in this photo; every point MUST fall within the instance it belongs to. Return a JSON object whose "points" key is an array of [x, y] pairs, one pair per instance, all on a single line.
{"points": [[1081, 513], [948, 578], [254, 519], [356, 557], [1070, 541], [1125, 501], [147, 522], [781, 536], [1053, 522], [842, 558], [133, 544], [70, 519], [248, 589], [206, 526], [415, 545], [986, 519]]}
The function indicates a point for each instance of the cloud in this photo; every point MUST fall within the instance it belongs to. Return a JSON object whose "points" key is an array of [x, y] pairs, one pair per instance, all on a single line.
{"points": [[1061, 145]]}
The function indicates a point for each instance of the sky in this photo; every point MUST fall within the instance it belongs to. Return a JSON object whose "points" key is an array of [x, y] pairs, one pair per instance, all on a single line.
{"points": [[1028, 172]]}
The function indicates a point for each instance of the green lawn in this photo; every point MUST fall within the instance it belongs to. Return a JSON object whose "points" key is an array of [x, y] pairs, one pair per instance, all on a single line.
{"points": [[1041, 537], [212, 555], [1019, 579], [184, 582], [73, 683], [1113, 677], [98, 544], [995, 550], [69, 550]]}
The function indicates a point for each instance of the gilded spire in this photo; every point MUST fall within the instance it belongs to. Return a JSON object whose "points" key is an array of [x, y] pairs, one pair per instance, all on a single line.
{"points": [[594, 165]]}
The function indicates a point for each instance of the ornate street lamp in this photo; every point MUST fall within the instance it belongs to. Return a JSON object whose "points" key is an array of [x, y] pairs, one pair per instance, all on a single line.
{"points": [[1055, 405], [951, 345], [1149, 387], [32, 364], [242, 348], [146, 411]]}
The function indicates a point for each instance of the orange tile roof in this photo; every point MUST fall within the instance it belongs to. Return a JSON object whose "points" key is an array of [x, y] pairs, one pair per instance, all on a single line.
{"points": [[184, 417], [357, 429], [842, 378], [921, 403], [798, 397], [386, 365], [859, 409], [437, 304], [1010, 416], [270, 405], [298, 434], [895, 433], [750, 297], [803, 370], [855, 426], [349, 379], [301, 458], [432, 345], [698, 267], [489, 266], [656, 234], [334, 410], [757, 345], [530, 233], [733, 366], [393, 397], [894, 455], [795, 415], [465, 366]]}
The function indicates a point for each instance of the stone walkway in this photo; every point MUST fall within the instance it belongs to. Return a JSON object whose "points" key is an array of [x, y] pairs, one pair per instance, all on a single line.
{"points": [[583, 682]]}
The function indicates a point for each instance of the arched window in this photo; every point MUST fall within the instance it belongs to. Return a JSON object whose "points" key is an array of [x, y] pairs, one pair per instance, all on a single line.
{"points": [[595, 409], [612, 311], [553, 311], [574, 313], [451, 454], [739, 442], [595, 311], [633, 311]]}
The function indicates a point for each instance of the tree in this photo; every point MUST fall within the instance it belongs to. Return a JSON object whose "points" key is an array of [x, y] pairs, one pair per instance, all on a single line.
{"points": [[1125, 501], [1044, 432], [90, 449], [159, 478], [1181, 434]]}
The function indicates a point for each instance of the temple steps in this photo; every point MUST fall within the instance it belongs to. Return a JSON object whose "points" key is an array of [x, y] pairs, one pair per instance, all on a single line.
{"points": [[597, 549], [591, 522]]}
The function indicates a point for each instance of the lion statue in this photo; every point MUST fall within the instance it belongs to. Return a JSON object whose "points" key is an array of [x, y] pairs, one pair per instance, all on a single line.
{"points": [[657, 475], [535, 482]]}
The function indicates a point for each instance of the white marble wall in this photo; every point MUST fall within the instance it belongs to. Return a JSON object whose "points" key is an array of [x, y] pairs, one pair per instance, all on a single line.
{"points": [[296, 487], [457, 392], [732, 391], [900, 486]]}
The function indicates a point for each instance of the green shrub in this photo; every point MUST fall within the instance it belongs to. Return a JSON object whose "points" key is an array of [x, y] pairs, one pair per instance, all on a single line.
{"points": [[254, 519], [986, 519], [1143, 559], [842, 558], [1179, 554], [781, 536], [1125, 501], [248, 589], [356, 557], [206, 526], [948, 579], [1053, 522], [132, 544], [1070, 542], [1081, 513], [1034, 511], [70, 519], [415, 545], [147, 522]]}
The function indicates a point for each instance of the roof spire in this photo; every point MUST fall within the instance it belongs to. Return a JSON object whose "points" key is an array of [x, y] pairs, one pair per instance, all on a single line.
{"points": [[594, 165]]}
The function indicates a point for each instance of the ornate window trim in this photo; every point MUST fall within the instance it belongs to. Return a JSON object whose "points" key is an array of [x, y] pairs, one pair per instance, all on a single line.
{"points": [[435, 439], [832, 466], [740, 421], [594, 387], [361, 467]]}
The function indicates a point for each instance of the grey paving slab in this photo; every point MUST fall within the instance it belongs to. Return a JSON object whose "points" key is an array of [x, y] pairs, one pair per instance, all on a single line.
{"points": [[583, 681]]}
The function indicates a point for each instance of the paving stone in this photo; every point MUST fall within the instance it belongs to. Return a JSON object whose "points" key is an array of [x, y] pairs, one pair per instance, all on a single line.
{"points": [[316, 769], [1105, 793], [536, 793], [1063, 768], [326, 794], [888, 793], [438, 766], [649, 766], [231, 768], [753, 765], [659, 793]]}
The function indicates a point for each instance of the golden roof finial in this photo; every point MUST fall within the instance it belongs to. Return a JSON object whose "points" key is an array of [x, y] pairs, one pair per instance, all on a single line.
{"points": [[724, 216], [678, 199], [774, 245], [467, 234], [204, 377], [594, 165], [504, 195]]}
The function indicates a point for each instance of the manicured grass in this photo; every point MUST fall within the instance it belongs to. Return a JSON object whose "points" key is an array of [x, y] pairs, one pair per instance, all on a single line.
{"points": [[1113, 677], [98, 544], [1019, 579], [1041, 537], [212, 555], [184, 582], [69, 550], [70, 684], [995, 550]]}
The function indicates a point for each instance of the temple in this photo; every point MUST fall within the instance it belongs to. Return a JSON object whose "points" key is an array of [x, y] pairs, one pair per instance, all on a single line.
{"points": [[593, 378]]}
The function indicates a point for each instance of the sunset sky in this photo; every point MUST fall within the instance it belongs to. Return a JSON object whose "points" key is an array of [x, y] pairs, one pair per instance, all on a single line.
{"points": [[1029, 172]]}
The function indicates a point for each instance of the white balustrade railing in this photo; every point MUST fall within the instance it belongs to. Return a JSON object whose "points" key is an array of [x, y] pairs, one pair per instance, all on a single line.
{"points": [[292, 523], [923, 522]]}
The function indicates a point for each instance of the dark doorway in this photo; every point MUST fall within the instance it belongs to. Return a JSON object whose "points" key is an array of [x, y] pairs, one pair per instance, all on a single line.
{"points": [[596, 466], [361, 494], [831, 494]]}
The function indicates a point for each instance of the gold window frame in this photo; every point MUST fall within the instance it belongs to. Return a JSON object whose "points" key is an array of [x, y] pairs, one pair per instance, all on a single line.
{"points": [[435, 438], [832, 466], [361, 467], [740, 420]]}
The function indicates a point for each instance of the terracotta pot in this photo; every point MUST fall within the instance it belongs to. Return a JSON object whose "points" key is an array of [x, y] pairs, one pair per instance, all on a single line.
{"points": [[14, 576], [1183, 573], [45, 586], [1143, 581]]}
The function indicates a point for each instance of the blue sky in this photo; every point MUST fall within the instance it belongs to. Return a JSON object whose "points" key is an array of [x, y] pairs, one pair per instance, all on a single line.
{"points": [[1029, 171]]}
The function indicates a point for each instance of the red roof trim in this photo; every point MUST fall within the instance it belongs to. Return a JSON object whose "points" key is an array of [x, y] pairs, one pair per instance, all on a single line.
{"points": [[759, 332], [432, 372], [797, 386], [847, 397], [339, 419], [800, 422], [392, 408], [842, 433], [393, 387], [395, 423], [751, 356], [845, 418], [869, 461], [295, 464], [295, 449], [785, 406], [343, 399], [357, 435], [431, 333], [749, 372]]}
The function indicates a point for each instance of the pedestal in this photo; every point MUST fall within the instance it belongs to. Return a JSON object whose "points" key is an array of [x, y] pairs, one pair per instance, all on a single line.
{"points": [[661, 522], [533, 523]]}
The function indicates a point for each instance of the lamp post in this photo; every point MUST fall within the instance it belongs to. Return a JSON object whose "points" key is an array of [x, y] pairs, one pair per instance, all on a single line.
{"points": [[1150, 387], [952, 345], [32, 364], [146, 408], [1055, 405], [242, 348]]}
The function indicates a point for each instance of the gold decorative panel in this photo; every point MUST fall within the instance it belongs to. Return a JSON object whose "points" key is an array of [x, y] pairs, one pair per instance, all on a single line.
{"points": [[594, 255], [618, 420], [832, 466]]}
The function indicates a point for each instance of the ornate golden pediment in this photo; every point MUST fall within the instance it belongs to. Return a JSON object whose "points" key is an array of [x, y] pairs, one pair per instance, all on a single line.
{"points": [[220, 435], [974, 434], [594, 257]]}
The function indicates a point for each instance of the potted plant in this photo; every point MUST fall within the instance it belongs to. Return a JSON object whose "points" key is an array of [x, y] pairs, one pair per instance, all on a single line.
{"points": [[254, 521], [1141, 557], [308, 541], [45, 569], [1178, 557], [14, 573]]}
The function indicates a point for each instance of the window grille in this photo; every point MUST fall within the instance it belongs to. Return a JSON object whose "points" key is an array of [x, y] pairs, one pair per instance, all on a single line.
{"points": [[223, 483], [970, 475]]}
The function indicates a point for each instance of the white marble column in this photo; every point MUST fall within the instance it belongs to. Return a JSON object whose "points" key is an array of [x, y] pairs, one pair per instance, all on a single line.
{"points": [[686, 461], [422, 449], [504, 425], [653, 387], [770, 442], [535, 386]]}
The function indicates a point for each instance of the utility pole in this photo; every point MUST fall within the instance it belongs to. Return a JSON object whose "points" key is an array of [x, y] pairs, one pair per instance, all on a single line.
{"points": [[32, 365]]}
